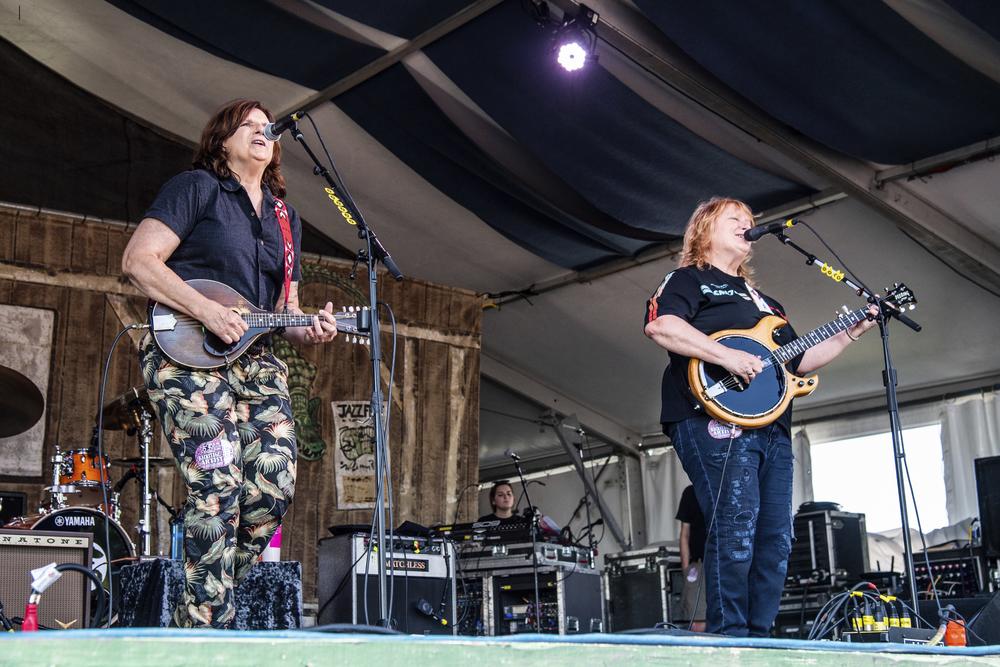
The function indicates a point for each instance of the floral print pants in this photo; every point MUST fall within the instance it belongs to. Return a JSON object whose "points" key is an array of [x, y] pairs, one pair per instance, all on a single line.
{"points": [[233, 510]]}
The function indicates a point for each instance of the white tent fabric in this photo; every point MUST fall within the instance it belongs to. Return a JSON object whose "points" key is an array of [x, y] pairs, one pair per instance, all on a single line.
{"points": [[970, 429], [663, 481]]}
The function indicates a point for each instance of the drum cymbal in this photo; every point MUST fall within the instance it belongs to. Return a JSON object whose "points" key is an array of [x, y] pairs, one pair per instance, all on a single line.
{"points": [[124, 412], [21, 403], [154, 461]]}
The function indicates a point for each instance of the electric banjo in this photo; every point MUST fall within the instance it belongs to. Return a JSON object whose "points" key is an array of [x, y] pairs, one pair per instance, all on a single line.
{"points": [[729, 399]]}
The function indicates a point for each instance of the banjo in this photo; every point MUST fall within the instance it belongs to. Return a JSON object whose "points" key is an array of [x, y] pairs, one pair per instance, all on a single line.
{"points": [[728, 398]]}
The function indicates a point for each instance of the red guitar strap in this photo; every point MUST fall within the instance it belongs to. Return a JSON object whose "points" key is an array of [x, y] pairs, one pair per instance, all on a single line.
{"points": [[281, 211]]}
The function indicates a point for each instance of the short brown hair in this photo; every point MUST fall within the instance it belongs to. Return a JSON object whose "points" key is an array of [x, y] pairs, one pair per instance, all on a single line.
{"points": [[211, 155], [698, 234]]}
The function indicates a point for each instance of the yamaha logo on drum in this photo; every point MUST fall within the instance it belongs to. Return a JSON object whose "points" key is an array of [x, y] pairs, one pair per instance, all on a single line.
{"points": [[63, 521]]}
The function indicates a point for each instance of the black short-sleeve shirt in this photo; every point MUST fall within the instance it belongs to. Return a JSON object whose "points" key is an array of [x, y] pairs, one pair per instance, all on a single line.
{"points": [[690, 512], [710, 300], [221, 236]]}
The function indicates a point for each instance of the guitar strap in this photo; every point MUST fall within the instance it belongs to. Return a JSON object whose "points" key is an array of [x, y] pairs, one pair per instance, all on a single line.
{"points": [[288, 252]]}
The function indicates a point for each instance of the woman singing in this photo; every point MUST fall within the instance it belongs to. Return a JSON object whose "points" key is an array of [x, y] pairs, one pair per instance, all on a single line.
{"points": [[742, 477], [230, 429]]}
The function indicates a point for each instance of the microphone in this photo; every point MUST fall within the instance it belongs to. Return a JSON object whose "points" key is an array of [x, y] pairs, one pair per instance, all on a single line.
{"points": [[425, 608], [273, 130], [511, 454], [755, 233]]}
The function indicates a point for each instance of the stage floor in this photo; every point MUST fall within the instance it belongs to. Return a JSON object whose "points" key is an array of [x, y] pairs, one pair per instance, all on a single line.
{"points": [[166, 647]]}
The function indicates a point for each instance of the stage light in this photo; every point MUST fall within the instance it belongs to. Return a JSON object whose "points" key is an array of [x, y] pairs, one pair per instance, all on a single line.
{"points": [[575, 40], [572, 56]]}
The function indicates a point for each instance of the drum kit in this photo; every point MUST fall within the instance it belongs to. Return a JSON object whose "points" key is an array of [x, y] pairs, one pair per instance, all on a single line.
{"points": [[81, 497]]}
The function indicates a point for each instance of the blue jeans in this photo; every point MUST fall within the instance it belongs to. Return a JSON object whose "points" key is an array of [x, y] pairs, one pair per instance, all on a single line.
{"points": [[746, 553]]}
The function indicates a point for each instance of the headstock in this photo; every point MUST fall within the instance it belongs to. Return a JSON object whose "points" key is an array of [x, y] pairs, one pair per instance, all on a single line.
{"points": [[355, 322], [899, 296]]}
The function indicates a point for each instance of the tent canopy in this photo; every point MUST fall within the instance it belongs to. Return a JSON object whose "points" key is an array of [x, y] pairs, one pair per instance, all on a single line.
{"points": [[481, 164]]}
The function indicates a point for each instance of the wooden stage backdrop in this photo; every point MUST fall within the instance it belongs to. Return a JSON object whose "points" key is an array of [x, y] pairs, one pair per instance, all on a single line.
{"points": [[73, 267]]}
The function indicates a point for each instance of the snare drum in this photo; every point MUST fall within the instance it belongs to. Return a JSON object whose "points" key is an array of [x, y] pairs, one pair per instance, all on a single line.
{"points": [[82, 469]]}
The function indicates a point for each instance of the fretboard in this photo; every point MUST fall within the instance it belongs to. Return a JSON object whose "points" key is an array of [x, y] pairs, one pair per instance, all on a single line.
{"points": [[791, 350], [275, 320]]}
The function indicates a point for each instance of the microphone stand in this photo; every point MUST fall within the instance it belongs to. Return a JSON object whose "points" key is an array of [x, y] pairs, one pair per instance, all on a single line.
{"points": [[534, 541], [370, 255], [889, 380]]}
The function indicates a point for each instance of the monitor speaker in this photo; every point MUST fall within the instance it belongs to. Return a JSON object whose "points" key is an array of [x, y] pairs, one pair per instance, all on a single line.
{"points": [[985, 626], [988, 491], [65, 604]]}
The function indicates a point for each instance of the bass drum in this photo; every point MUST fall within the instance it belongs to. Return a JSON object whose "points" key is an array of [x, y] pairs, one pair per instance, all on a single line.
{"points": [[87, 520]]}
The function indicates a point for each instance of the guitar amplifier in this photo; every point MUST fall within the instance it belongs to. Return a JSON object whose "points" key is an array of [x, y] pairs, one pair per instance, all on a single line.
{"points": [[65, 604], [421, 575]]}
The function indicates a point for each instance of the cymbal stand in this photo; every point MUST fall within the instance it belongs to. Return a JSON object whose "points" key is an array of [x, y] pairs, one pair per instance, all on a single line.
{"points": [[145, 441], [57, 497]]}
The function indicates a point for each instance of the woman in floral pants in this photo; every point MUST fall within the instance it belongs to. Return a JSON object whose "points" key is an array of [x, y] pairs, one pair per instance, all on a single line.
{"points": [[230, 429]]}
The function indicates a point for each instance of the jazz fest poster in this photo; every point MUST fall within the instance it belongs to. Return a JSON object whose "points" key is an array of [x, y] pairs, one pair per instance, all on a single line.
{"points": [[354, 454]]}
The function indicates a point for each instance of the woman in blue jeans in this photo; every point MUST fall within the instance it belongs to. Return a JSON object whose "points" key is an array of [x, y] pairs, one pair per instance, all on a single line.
{"points": [[742, 477]]}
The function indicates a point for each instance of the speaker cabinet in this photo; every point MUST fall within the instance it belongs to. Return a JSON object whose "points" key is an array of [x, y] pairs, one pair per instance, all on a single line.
{"points": [[988, 491], [986, 625], [831, 542], [422, 585], [12, 504], [65, 604], [637, 588]]}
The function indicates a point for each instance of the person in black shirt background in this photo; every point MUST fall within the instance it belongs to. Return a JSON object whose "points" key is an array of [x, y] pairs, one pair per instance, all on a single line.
{"points": [[692, 545], [742, 477], [502, 502]]}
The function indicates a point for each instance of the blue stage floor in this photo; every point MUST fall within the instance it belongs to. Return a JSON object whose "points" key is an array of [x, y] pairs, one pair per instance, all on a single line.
{"points": [[166, 647]]}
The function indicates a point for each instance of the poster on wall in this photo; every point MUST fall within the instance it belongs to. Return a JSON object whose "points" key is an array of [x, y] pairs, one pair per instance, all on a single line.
{"points": [[26, 336], [354, 454]]}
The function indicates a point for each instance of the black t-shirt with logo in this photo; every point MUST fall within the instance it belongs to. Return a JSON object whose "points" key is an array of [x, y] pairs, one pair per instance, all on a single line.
{"points": [[710, 300]]}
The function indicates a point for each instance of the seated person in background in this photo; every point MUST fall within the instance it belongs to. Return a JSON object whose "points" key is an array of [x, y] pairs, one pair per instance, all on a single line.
{"points": [[692, 545], [502, 502]]}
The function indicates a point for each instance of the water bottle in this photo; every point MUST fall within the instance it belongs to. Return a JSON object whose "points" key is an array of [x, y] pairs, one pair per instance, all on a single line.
{"points": [[177, 539]]}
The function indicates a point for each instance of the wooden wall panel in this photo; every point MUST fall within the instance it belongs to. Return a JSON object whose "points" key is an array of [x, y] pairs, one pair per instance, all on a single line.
{"points": [[434, 400]]}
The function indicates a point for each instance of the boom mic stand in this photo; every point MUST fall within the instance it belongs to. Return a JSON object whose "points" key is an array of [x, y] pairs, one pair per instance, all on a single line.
{"points": [[370, 255], [885, 311], [534, 539]]}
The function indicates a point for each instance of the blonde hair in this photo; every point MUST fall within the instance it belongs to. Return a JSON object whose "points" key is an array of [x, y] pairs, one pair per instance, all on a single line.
{"points": [[698, 234]]}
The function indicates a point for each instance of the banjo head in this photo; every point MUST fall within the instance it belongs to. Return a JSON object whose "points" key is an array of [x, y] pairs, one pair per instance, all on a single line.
{"points": [[762, 397]]}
